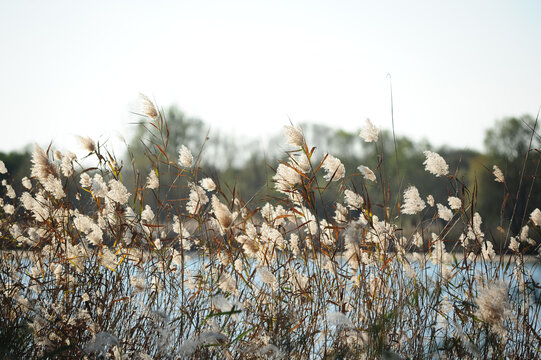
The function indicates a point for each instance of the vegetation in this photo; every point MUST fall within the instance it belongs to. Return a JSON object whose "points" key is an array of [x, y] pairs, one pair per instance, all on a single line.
{"points": [[328, 258]]}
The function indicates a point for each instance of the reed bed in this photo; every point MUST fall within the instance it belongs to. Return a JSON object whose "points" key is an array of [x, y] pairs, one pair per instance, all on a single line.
{"points": [[90, 270]]}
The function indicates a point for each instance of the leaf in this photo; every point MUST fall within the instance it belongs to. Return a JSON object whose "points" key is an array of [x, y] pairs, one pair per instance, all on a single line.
{"points": [[241, 335], [162, 151], [232, 312]]}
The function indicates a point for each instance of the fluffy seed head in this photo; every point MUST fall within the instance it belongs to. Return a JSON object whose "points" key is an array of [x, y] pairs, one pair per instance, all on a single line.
{"points": [[339, 320], [367, 173], [54, 186], [301, 162], [147, 107], [294, 135], [412, 201], [197, 198], [86, 180], [147, 215], [454, 202], [498, 175], [444, 212], [369, 133], [353, 200], [87, 143], [435, 164], [185, 157], [67, 164], [10, 192], [208, 184], [514, 245], [9, 209], [286, 178], [267, 277], [42, 166], [221, 212], [536, 217], [152, 180], [26, 183], [493, 303], [334, 168], [118, 192]]}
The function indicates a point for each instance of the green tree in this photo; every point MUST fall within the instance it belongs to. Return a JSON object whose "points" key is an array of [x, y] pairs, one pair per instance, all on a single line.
{"points": [[18, 166], [182, 130], [510, 138], [513, 145]]}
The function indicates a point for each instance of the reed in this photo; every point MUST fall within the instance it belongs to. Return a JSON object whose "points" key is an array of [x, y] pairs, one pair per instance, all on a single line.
{"points": [[90, 270]]}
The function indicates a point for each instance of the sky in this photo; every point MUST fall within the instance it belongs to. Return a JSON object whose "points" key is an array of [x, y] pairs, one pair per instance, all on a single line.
{"points": [[248, 68]]}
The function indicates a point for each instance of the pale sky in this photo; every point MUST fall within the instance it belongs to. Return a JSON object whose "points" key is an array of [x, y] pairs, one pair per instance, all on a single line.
{"points": [[248, 67]]}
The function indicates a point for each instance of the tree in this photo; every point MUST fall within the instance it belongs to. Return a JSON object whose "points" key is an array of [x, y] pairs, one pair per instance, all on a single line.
{"points": [[18, 166], [513, 145], [509, 139], [183, 130]]}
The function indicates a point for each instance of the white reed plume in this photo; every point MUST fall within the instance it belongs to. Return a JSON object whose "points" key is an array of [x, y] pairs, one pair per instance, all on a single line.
{"points": [[514, 245], [367, 173], [536, 217], [369, 132], [418, 240], [301, 162], [185, 157], [444, 212], [228, 284], [334, 168], [208, 184], [286, 178], [39, 209], [435, 164], [294, 135], [10, 192], [439, 255], [212, 338], [454, 202], [147, 107], [494, 307], [26, 183], [340, 214], [118, 192], [222, 213], [412, 201], [9, 209], [42, 166], [267, 277], [477, 221], [99, 188], [339, 320], [138, 284], [487, 249], [152, 180], [67, 164], [87, 143], [147, 215], [353, 200], [197, 198], [54, 186], [498, 175], [86, 180]]}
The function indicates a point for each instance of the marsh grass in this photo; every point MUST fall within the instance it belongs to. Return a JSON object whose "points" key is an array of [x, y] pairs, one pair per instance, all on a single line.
{"points": [[90, 270]]}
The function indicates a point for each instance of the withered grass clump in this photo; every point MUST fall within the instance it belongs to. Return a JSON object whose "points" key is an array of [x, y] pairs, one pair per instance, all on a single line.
{"points": [[92, 268]]}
